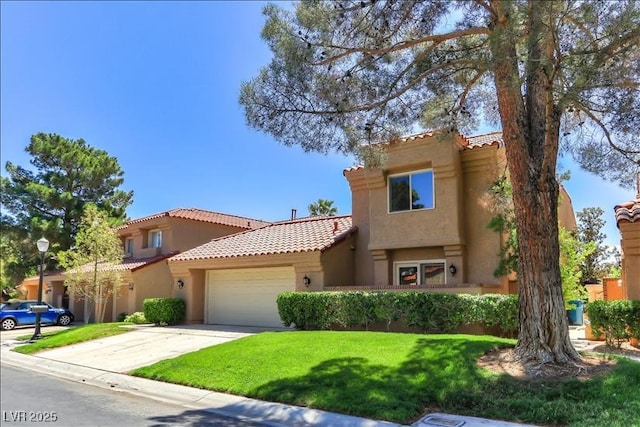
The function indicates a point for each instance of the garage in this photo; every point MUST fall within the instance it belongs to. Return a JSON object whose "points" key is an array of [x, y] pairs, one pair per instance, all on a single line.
{"points": [[246, 296]]}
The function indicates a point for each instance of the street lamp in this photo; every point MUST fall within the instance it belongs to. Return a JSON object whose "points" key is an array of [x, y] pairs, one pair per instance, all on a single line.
{"points": [[43, 245]]}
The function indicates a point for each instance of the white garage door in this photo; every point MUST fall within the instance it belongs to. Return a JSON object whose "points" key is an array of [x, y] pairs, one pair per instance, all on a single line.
{"points": [[247, 296]]}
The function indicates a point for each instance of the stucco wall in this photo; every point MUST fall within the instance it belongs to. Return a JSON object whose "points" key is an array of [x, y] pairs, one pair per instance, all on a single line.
{"points": [[630, 242], [454, 230], [153, 281]]}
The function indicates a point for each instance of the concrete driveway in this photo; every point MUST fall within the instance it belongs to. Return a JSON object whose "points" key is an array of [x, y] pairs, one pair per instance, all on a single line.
{"points": [[143, 346]]}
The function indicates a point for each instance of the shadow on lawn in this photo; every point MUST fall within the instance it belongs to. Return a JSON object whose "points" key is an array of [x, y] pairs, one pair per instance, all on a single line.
{"points": [[435, 371]]}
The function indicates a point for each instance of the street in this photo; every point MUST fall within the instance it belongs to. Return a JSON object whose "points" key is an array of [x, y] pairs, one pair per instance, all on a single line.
{"points": [[30, 398]]}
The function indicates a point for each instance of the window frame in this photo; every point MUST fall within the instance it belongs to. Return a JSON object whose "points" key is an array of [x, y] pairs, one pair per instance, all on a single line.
{"points": [[410, 175], [152, 233], [128, 241], [417, 264]]}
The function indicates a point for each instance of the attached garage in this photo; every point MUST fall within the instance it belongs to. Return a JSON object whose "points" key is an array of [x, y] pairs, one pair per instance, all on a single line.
{"points": [[246, 296]]}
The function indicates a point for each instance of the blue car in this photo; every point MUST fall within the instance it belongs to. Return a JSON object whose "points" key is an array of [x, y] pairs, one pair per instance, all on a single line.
{"points": [[18, 313]]}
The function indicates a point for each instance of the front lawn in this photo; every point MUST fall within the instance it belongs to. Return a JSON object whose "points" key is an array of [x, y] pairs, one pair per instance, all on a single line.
{"points": [[70, 336], [399, 377]]}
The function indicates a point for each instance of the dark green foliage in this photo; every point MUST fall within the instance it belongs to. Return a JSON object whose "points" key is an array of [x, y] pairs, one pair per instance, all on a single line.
{"points": [[616, 320], [427, 311], [49, 197], [163, 311]]}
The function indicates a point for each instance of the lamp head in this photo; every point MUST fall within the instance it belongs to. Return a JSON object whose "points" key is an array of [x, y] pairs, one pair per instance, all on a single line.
{"points": [[43, 245]]}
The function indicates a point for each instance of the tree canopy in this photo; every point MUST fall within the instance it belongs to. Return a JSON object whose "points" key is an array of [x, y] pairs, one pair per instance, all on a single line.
{"points": [[48, 198], [96, 247], [557, 76], [322, 208]]}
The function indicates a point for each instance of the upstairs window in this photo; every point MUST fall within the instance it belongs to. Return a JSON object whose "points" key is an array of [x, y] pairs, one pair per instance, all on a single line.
{"points": [[128, 245], [155, 239], [412, 191]]}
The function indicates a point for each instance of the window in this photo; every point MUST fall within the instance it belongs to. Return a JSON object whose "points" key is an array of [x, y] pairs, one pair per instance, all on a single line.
{"points": [[155, 239], [128, 245], [420, 273], [411, 191]]}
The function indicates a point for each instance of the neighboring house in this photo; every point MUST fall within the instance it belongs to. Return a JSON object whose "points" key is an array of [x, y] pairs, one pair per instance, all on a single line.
{"points": [[628, 221], [418, 222], [147, 243]]}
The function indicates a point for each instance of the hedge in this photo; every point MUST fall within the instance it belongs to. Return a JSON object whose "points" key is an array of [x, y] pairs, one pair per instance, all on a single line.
{"points": [[165, 311], [427, 311], [616, 320]]}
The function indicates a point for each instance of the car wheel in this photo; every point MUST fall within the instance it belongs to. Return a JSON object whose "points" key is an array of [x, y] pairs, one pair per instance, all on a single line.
{"points": [[8, 324], [64, 320]]}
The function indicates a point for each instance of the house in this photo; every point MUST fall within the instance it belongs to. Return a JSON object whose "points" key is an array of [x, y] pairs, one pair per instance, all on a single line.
{"points": [[628, 220], [236, 279], [419, 221], [148, 242]]}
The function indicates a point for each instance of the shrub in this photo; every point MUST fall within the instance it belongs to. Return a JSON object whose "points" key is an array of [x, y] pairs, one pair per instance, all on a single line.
{"points": [[428, 311], [167, 311], [616, 320], [122, 316], [137, 318]]}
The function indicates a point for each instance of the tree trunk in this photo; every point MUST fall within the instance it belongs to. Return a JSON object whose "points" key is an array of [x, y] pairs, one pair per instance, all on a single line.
{"points": [[530, 126]]}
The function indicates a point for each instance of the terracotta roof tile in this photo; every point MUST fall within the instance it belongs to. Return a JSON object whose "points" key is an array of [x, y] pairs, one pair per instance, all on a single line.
{"points": [[131, 264], [302, 235], [470, 142], [204, 216], [476, 141], [628, 212]]}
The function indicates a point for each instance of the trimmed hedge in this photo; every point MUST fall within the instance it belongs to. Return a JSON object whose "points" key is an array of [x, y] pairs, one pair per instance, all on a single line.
{"points": [[616, 320], [165, 311], [427, 311]]}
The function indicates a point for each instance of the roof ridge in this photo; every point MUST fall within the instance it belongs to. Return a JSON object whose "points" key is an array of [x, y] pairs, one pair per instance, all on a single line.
{"points": [[218, 213], [310, 218]]}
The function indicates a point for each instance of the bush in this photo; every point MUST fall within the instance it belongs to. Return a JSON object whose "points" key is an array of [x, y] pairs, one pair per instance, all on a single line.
{"points": [[165, 311], [137, 318], [428, 311], [121, 317], [616, 320]]}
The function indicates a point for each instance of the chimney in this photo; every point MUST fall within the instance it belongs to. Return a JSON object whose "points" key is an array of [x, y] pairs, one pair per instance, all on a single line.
{"points": [[293, 214]]}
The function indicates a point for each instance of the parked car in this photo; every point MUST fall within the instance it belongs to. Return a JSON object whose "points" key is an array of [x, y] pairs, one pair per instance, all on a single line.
{"points": [[18, 313]]}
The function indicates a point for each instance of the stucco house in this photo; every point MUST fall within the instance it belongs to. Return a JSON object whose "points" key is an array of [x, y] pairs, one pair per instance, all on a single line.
{"points": [[147, 242], [419, 221], [628, 220]]}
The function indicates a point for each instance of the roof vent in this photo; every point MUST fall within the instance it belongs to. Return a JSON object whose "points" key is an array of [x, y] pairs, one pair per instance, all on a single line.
{"points": [[293, 214], [335, 226]]}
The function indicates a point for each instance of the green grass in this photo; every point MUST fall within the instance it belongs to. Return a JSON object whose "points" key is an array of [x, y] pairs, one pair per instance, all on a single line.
{"points": [[399, 377], [72, 336]]}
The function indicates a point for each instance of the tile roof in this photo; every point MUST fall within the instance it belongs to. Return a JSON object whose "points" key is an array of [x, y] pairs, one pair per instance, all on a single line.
{"points": [[203, 216], [469, 143], [476, 141], [301, 235], [628, 212], [131, 264]]}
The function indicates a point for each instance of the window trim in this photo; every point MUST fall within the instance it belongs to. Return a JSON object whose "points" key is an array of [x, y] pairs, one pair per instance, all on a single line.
{"points": [[151, 234], [417, 264], [126, 245], [409, 174]]}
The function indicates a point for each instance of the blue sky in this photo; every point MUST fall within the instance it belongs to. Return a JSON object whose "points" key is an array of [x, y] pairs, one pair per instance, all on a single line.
{"points": [[156, 85]]}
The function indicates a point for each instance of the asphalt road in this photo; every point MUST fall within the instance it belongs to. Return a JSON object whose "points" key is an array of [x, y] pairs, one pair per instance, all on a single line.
{"points": [[30, 398]]}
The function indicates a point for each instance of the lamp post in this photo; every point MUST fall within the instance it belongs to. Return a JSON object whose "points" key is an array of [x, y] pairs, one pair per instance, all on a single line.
{"points": [[43, 245]]}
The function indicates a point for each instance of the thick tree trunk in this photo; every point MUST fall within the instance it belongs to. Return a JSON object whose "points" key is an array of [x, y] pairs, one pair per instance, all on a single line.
{"points": [[530, 126]]}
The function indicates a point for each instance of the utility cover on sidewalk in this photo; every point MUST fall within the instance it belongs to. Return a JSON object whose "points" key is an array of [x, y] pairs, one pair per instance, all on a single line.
{"points": [[447, 420]]}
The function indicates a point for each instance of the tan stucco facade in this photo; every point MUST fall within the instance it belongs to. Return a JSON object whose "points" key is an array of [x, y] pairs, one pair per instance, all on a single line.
{"points": [[454, 230], [331, 267], [630, 244]]}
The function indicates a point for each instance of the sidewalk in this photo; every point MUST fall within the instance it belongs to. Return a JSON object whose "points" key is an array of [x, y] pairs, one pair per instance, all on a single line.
{"points": [[104, 362]]}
